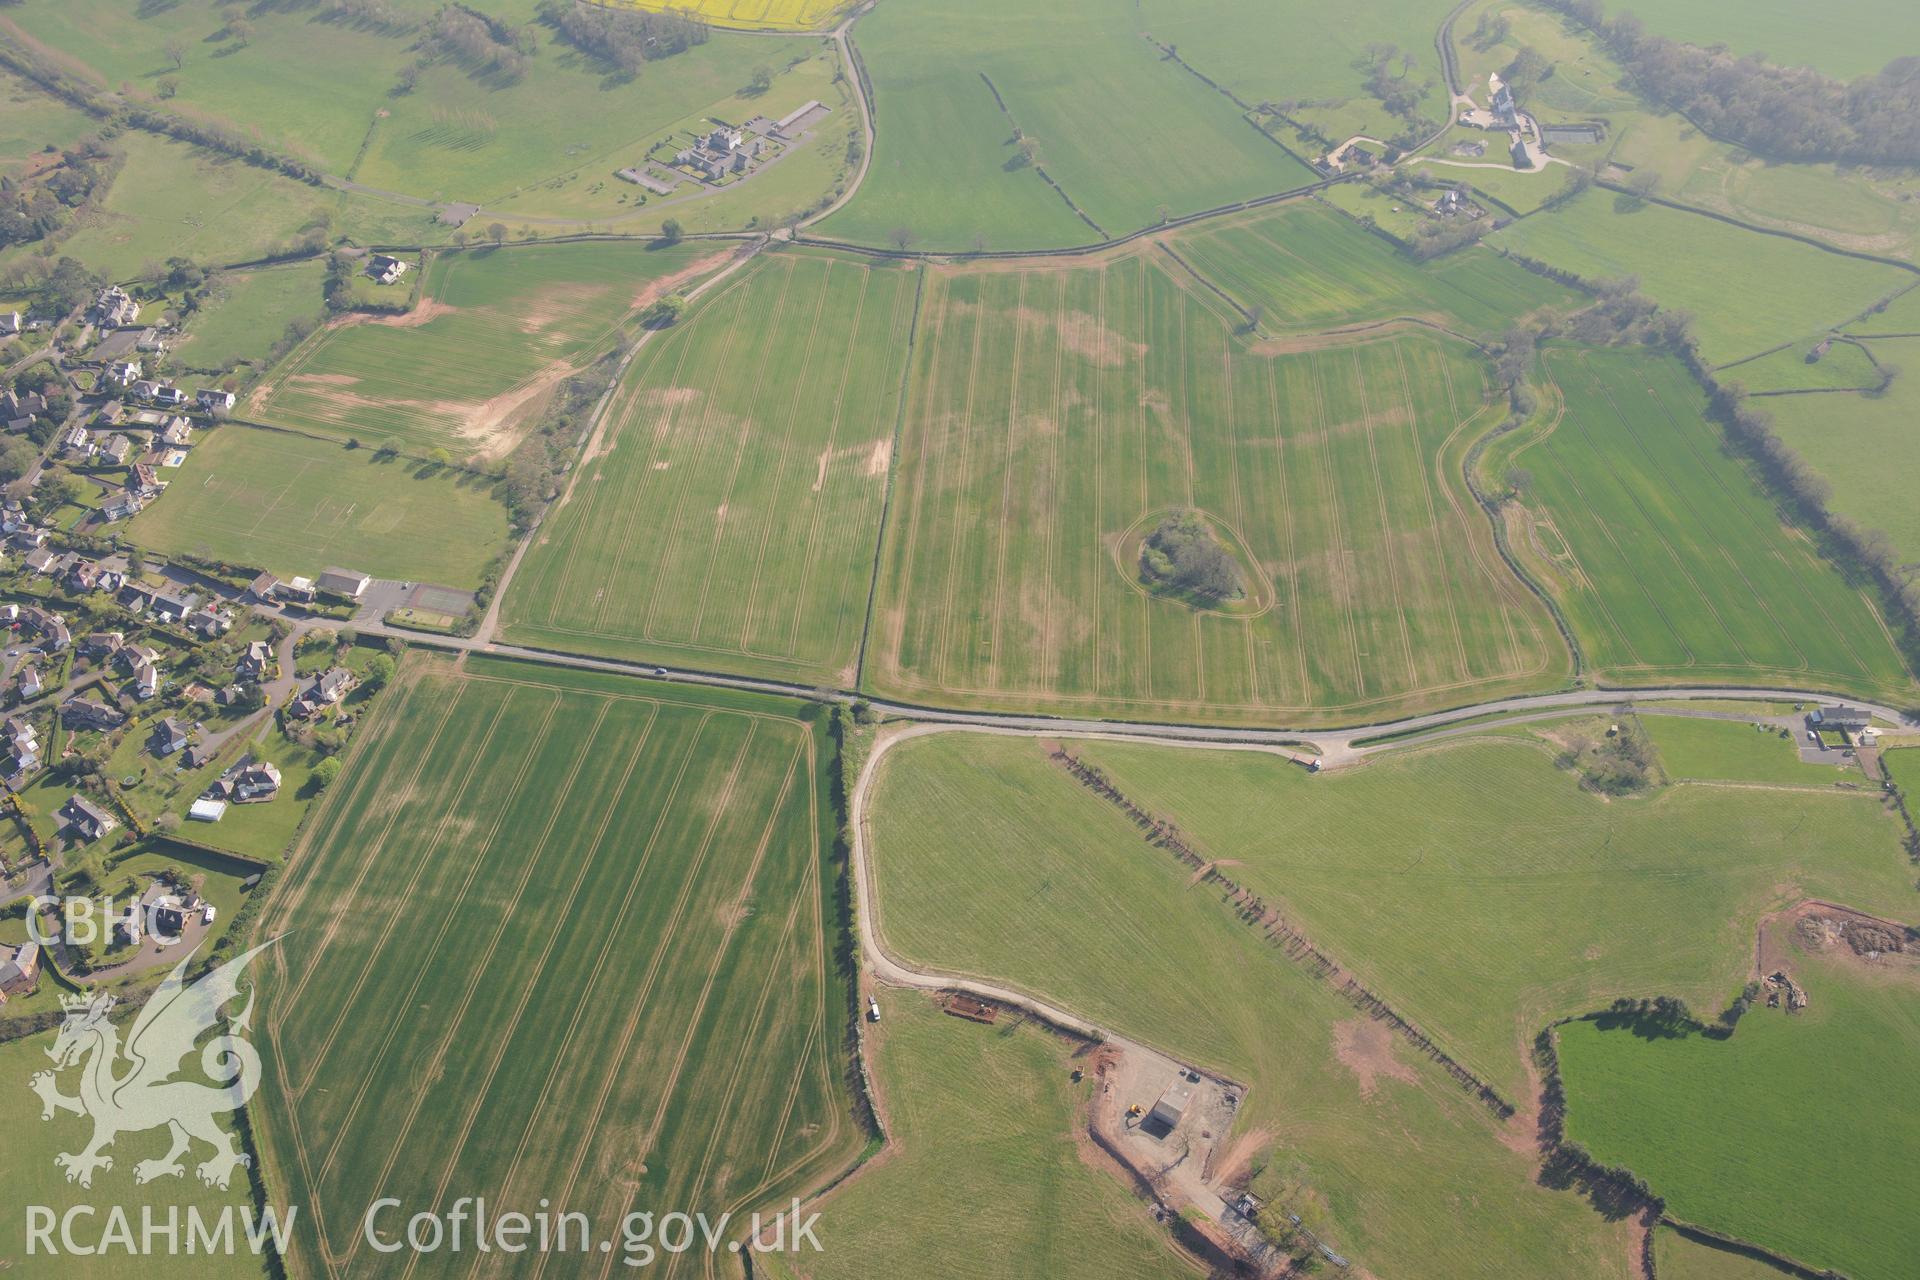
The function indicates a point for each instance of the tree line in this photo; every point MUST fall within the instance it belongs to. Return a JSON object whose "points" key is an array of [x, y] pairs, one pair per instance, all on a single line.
{"points": [[626, 38], [1788, 113]]}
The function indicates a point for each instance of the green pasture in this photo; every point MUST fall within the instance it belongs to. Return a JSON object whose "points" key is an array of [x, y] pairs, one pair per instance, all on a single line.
{"points": [[1680, 1258], [1670, 563], [1745, 291], [1852, 37], [525, 939], [987, 859], [1055, 415], [469, 369], [1129, 136], [1796, 1134], [728, 517], [1308, 267], [171, 199], [983, 1123], [294, 505], [1863, 445], [1303, 52], [247, 312], [32, 1145], [323, 87], [1732, 751], [31, 121], [1479, 890], [1845, 366]]}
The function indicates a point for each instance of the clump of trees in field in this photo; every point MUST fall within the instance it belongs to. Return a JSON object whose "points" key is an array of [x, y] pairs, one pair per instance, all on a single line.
{"points": [[35, 210], [1183, 554], [624, 37], [1617, 763], [1789, 113]]}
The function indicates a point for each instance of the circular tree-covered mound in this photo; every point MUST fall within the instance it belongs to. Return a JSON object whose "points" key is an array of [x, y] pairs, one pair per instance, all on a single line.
{"points": [[1182, 557]]}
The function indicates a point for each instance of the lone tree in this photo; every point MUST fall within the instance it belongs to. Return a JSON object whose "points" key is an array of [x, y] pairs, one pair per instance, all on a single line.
{"points": [[176, 54], [497, 232], [1183, 554], [671, 231], [664, 312], [901, 237], [760, 81]]}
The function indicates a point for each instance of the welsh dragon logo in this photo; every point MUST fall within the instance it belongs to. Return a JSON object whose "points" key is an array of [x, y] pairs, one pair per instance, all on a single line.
{"points": [[138, 1086]]}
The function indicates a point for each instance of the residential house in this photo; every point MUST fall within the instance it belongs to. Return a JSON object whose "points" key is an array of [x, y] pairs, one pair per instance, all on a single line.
{"points": [[77, 442], [343, 582], [144, 481], [85, 818], [385, 268], [256, 782], [326, 691], [43, 561], [82, 712], [146, 389], [113, 308], [216, 400], [170, 395], [116, 449], [255, 662], [124, 373], [31, 683], [103, 644], [113, 412], [1843, 719], [131, 656], [19, 969], [300, 589], [151, 340], [23, 744], [263, 587], [211, 620], [26, 537], [146, 682], [169, 736], [178, 433], [90, 575], [122, 505], [50, 626], [11, 322], [14, 405]]}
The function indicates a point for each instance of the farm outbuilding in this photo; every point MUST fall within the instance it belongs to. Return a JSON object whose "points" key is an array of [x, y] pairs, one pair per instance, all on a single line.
{"points": [[1171, 1107]]}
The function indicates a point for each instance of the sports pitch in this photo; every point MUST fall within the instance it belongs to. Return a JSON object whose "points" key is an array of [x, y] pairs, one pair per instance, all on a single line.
{"points": [[727, 518], [1055, 414], [523, 945], [293, 505], [468, 369]]}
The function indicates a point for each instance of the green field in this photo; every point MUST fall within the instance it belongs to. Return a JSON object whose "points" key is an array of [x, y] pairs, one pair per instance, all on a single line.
{"points": [[1728, 1132], [322, 87], [293, 505], [990, 860], [728, 517], [984, 1120], [1864, 446], [1667, 560], [247, 312], [1308, 267], [1056, 415], [469, 368], [526, 939], [1303, 52], [1746, 291], [1846, 366], [1679, 1258], [169, 199], [31, 121], [1473, 885], [1725, 751], [1852, 38], [1127, 135], [36, 1180]]}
